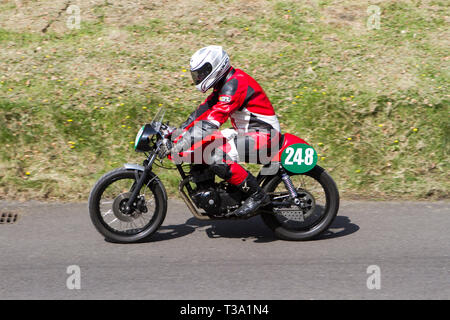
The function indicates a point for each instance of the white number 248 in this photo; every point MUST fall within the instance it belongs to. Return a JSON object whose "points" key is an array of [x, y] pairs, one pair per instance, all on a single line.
{"points": [[298, 156]]}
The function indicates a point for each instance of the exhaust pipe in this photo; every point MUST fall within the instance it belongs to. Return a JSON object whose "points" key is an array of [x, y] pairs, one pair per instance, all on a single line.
{"points": [[189, 202]]}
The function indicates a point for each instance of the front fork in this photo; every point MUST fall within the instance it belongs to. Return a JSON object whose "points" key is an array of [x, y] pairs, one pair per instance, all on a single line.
{"points": [[130, 205]]}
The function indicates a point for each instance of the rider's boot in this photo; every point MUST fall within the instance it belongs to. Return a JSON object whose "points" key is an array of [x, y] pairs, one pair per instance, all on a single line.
{"points": [[257, 197]]}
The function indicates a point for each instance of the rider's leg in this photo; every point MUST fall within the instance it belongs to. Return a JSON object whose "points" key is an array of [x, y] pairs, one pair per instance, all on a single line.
{"points": [[249, 146], [236, 175], [257, 197], [224, 164], [225, 167]]}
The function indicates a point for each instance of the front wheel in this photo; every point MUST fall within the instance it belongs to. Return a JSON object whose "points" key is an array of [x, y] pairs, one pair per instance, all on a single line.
{"points": [[107, 206], [320, 196]]}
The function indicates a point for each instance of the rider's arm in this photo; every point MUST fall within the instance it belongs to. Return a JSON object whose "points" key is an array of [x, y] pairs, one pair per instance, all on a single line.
{"points": [[231, 97], [216, 111]]}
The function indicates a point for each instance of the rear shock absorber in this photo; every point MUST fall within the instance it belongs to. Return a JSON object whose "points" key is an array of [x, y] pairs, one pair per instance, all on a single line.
{"points": [[290, 187]]}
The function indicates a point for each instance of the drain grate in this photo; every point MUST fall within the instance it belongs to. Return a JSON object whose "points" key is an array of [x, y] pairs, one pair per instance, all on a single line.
{"points": [[8, 217]]}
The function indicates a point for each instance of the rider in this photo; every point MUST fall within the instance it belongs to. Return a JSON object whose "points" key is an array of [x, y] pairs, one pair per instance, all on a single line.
{"points": [[239, 97]]}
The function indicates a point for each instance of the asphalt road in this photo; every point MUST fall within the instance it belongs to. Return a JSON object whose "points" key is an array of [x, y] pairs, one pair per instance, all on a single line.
{"points": [[408, 241]]}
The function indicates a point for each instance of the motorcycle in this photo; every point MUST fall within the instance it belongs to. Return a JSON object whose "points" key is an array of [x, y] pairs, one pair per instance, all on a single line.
{"points": [[129, 204]]}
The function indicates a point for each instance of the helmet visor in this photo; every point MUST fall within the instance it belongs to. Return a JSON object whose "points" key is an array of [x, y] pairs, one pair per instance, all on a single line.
{"points": [[201, 73]]}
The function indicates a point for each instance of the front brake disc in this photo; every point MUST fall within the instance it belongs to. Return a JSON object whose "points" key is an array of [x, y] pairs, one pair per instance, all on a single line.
{"points": [[119, 205]]}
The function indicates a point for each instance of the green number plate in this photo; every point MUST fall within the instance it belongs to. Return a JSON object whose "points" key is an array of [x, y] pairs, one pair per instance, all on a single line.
{"points": [[299, 158]]}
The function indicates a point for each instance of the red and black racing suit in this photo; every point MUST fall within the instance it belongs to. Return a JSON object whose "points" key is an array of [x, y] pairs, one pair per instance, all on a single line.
{"points": [[239, 97]]}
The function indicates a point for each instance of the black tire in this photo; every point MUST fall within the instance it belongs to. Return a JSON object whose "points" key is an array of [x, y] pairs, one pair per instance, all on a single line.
{"points": [[159, 194], [330, 210]]}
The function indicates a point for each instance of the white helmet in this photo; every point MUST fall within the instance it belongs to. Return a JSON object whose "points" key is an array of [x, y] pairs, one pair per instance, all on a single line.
{"points": [[208, 65]]}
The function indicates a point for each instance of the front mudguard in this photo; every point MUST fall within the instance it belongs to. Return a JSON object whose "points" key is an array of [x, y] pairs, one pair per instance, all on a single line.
{"points": [[133, 166]]}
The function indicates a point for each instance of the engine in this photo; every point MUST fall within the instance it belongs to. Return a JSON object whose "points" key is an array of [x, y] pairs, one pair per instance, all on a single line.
{"points": [[208, 200], [215, 198]]}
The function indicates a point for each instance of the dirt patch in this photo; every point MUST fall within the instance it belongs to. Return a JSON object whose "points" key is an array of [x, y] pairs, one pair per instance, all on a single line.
{"points": [[349, 16]]}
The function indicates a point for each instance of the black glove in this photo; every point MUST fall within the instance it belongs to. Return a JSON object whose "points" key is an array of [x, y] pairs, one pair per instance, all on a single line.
{"points": [[165, 148], [170, 131]]}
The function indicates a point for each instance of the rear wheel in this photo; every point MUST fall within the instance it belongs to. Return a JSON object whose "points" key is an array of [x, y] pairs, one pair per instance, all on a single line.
{"points": [[107, 206], [320, 196]]}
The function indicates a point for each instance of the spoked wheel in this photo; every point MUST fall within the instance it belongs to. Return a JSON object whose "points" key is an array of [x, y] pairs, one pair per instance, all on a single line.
{"points": [[107, 206], [320, 203]]}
